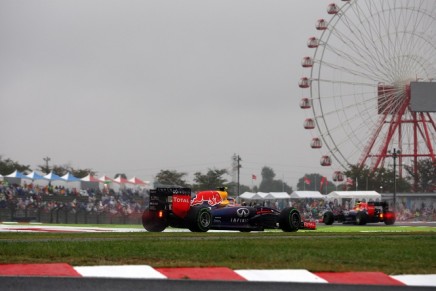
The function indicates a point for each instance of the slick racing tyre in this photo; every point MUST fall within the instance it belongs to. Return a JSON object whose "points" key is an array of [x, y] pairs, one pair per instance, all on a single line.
{"points": [[289, 219], [152, 223], [389, 217], [361, 218], [328, 218], [199, 219]]}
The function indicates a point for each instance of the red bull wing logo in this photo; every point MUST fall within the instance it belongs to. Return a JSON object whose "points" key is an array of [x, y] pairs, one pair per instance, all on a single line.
{"points": [[211, 197]]}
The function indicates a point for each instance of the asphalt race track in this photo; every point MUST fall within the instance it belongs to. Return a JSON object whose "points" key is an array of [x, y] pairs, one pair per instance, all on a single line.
{"points": [[109, 284]]}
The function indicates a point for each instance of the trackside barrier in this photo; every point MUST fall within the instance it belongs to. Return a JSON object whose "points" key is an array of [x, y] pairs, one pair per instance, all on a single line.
{"points": [[66, 215]]}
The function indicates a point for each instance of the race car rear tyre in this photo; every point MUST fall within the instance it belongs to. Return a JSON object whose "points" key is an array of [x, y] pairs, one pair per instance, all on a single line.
{"points": [[328, 218], [152, 223], [199, 219], [389, 217], [361, 218], [289, 219]]}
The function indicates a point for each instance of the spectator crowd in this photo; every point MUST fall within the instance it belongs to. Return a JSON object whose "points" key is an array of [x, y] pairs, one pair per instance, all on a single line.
{"points": [[47, 198], [132, 202]]}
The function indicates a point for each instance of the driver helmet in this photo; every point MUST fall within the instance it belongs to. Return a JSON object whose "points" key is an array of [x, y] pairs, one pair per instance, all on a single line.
{"points": [[223, 193]]}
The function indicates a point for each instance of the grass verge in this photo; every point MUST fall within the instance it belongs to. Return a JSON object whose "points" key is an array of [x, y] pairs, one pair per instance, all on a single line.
{"points": [[395, 250]]}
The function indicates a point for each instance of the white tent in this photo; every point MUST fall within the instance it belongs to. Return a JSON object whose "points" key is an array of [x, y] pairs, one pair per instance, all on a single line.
{"points": [[307, 194], [70, 178], [138, 182], [68, 181], [53, 177], [278, 195], [105, 179], [106, 183], [262, 195], [15, 178], [355, 194], [89, 182], [17, 175], [37, 179], [35, 176], [249, 196]]}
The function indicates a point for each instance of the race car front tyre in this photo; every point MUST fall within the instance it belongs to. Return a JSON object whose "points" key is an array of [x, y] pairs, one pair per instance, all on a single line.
{"points": [[199, 219], [289, 219], [328, 218], [152, 223]]}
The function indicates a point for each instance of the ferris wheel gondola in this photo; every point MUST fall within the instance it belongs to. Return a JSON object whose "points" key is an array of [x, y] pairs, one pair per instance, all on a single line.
{"points": [[359, 76]]}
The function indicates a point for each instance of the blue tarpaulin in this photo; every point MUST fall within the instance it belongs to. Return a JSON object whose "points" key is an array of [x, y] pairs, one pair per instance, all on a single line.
{"points": [[69, 178], [35, 176], [53, 177], [17, 174]]}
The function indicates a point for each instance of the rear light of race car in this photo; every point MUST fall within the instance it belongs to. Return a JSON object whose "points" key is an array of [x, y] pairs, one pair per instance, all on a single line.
{"points": [[160, 214], [390, 215]]}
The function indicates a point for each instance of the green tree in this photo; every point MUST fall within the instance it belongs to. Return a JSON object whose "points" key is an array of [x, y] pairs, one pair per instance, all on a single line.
{"points": [[61, 170], [367, 180], [170, 178], [232, 186], [424, 179], [211, 180], [269, 184], [8, 166], [80, 173], [380, 180], [122, 175], [312, 182]]}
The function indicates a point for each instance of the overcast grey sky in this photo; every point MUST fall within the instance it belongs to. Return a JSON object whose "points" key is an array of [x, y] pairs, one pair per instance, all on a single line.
{"points": [[139, 86]]}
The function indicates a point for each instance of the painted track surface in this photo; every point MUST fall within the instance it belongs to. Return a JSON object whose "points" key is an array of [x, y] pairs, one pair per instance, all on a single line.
{"points": [[109, 284], [51, 276], [288, 276]]}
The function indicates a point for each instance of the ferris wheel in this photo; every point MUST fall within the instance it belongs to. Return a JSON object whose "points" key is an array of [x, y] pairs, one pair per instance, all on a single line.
{"points": [[359, 87]]}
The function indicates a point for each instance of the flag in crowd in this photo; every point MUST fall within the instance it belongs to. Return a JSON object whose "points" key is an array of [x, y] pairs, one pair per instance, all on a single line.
{"points": [[323, 180]]}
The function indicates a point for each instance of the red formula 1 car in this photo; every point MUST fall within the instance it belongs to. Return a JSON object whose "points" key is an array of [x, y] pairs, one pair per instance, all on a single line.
{"points": [[362, 213], [212, 210]]}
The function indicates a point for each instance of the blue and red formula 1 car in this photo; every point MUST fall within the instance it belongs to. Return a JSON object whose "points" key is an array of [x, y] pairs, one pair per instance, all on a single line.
{"points": [[361, 214], [212, 210]]}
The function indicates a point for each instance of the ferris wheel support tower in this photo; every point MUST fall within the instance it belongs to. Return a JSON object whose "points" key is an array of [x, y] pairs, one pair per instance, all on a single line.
{"points": [[422, 123]]}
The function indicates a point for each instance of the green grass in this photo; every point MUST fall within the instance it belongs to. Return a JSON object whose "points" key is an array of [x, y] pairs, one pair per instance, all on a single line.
{"points": [[374, 228], [393, 250]]}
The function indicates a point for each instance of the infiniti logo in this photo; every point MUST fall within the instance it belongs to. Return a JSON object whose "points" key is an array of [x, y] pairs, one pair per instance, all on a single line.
{"points": [[242, 212]]}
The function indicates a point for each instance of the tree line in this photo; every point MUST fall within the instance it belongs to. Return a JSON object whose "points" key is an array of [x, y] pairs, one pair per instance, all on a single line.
{"points": [[212, 179], [215, 178], [7, 166], [382, 180]]}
